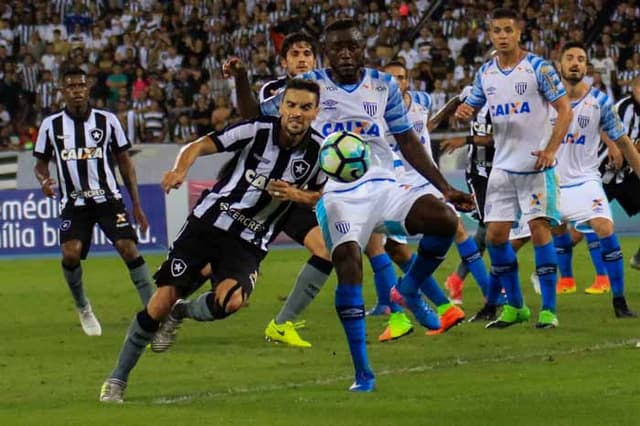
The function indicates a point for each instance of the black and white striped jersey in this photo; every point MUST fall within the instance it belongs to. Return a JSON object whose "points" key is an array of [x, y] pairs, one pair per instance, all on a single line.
{"points": [[83, 150], [629, 112], [239, 202], [480, 158]]}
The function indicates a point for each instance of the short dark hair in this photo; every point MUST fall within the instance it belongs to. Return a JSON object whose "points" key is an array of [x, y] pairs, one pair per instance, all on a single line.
{"points": [[340, 25], [306, 85], [73, 72], [396, 63], [297, 37], [571, 45], [504, 13]]}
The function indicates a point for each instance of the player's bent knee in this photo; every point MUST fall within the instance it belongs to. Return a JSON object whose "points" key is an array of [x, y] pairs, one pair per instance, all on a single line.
{"points": [[161, 302], [347, 261], [602, 227], [230, 296], [429, 215], [127, 249]]}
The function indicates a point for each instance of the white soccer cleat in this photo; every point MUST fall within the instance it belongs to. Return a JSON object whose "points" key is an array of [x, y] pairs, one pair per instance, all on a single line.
{"points": [[168, 331], [535, 282], [89, 322], [112, 391]]}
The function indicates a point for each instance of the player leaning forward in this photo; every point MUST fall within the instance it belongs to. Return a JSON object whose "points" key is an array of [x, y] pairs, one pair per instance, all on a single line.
{"points": [[232, 224], [368, 101]]}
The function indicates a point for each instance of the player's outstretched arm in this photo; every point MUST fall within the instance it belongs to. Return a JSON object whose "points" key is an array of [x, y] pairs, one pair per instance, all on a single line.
{"points": [[450, 145], [248, 105], [444, 113], [173, 179], [128, 172], [629, 152], [547, 156], [284, 191], [415, 154]]}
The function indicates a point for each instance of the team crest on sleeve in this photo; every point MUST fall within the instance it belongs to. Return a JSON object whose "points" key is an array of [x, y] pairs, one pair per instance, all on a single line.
{"points": [[370, 108], [521, 87], [299, 168], [97, 135], [343, 227], [178, 266], [583, 121]]}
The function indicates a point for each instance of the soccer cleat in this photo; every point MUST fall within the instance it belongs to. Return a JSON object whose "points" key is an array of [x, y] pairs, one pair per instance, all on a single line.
{"points": [[284, 333], [112, 391], [535, 282], [487, 313], [621, 309], [89, 322], [600, 285], [420, 309], [365, 382], [547, 319], [510, 315], [168, 331], [379, 309], [454, 286], [398, 325], [634, 262], [451, 317], [566, 285]]}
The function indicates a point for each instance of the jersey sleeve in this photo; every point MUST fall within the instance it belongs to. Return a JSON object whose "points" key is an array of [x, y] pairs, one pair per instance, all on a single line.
{"points": [[119, 140], [234, 137], [549, 83], [395, 113], [43, 148], [476, 97], [610, 122], [271, 105]]}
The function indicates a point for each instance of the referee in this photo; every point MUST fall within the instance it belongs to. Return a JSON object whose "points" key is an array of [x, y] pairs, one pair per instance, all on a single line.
{"points": [[84, 142], [623, 184]]}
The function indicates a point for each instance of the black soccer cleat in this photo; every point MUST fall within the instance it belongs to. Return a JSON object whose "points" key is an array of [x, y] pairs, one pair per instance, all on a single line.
{"points": [[621, 309], [487, 313]]}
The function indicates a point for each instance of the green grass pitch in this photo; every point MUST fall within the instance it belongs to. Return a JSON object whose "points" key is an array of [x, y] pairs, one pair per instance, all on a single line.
{"points": [[586, 372]]}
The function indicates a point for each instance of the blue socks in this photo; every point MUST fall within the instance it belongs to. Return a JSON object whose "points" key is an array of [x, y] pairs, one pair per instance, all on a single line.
{"points": [[564, 250], [612, 256], [546, 268], [593, 242], [504, 265], [350, 308], [494, 290], [431, 252], [384, 277], [472, 257]]}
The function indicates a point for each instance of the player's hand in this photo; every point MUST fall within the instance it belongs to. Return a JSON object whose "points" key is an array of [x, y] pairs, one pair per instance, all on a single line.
{"points": [[615, 156], [172, 179], [140, 218], [280, 190], [465, 112], [461, 200], [545, 159], [233, 67], [48, 187], [450, 145]]}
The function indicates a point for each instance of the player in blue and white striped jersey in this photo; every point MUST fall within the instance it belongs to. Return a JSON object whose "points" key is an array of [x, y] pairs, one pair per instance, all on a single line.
{"points": [[520, 89], [368, 101]]}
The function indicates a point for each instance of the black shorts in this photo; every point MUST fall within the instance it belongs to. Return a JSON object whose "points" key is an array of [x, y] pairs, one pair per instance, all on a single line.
{"points": [[76, 223], [478, 186], [199, 243], [299, 222], [627, 193]]}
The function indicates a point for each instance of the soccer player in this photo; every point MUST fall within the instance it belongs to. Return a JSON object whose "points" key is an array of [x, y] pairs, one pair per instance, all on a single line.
{"points": [[584, 201], [83, 142], [367, 101], [520, 88], [232, 224]]}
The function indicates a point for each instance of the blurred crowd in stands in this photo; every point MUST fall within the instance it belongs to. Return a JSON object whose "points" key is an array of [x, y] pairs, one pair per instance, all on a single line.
{"points": [[157, 64]]}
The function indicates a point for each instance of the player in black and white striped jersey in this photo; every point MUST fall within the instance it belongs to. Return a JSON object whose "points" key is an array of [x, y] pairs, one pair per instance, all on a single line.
{"points": [[232, 224], [84, 142]]}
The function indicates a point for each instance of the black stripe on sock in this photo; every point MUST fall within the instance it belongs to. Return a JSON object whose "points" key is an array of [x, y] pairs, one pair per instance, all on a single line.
{"points": [[138, 261], [320, 264], [70, 268], [147, 323]]}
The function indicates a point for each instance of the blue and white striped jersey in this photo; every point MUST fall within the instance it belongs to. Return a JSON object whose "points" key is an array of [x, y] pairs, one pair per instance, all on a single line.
{"points": [[519, 105], [370, 108], [578, 159]]}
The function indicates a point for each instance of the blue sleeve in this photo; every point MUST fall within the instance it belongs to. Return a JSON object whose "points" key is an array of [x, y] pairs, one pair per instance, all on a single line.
{"points": [[476, 98], [549, 83], [610, 122], [271, 106], [395, 113]]}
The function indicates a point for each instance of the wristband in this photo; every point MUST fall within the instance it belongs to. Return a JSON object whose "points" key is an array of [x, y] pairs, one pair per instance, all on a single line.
{"points": [[469, 140]]}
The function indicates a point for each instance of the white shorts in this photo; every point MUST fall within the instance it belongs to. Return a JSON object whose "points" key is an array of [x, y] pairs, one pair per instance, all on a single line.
{"points": [[372, 206], [583, 202], [512, 196]]}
